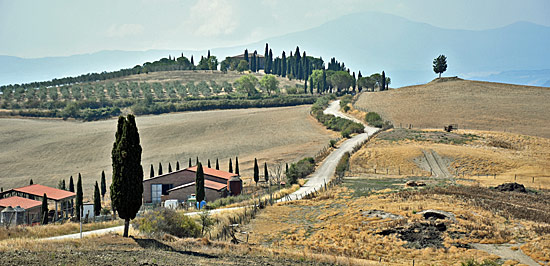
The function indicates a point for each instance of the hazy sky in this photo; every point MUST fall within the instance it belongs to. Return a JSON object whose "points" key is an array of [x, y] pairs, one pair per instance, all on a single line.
{"points": [[55, 28]]}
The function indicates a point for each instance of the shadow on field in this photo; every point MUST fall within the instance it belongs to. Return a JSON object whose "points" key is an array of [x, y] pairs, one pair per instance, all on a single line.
{"points": [[147, 243]]}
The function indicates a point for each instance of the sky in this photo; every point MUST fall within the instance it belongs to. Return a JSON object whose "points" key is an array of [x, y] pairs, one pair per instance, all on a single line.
{"points": [[33, 29]]}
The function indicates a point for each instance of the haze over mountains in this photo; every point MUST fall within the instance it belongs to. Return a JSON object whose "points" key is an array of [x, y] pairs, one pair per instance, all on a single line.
{"points": [[370, 42]]}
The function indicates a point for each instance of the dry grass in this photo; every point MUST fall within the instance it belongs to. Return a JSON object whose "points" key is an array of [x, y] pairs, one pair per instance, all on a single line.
{"points": [[523, 158], [50, 230], [470, 104], [49, 150], [333, 224]]}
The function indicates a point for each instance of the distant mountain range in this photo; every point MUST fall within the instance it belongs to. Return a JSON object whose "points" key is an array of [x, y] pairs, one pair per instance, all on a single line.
{"points": [[370, 42]]}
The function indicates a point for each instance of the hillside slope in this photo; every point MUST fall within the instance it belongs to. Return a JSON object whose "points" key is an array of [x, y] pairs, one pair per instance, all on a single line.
{"points": [[470, 104]]}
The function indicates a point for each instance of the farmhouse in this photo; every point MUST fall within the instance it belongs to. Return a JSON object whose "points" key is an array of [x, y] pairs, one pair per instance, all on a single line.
{"points": [[180, 185], [61, 198], [28, 210], [259, 57]]}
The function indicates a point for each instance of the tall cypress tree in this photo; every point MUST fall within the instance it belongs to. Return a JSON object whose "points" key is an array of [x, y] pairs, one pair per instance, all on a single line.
{"points": [[266, 59], [246, 55], [270, 62], [237, 165], [177, 165], [64, 187], [197, 160], [103, 185], [31, 182], [190, 162], [44, 211], [152, 172], [383, 87], [78, 197], [127, 185], [253, 62], [160, 168], [256, 171], [199, 183], [283, 65], [169, 168], [97, 200], [208, 54], [359, 76], [266, 173], [192, 62], [217, 164], [230, 166], [209, 166]]}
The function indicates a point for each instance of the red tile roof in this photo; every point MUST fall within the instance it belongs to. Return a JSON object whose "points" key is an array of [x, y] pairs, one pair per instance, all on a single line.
{"points": [[19, 201], [207, 184], [213, 172], [51, 193]]}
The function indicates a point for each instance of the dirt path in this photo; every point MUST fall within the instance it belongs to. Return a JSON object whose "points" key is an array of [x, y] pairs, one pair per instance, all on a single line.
{"points": [[506, 253], [325, 171], [436, 164]]}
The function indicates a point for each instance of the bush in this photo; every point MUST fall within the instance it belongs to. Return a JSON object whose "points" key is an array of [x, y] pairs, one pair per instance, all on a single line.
{"points": [[345, 126], [343, 165], [160, 221], [300, 169]]}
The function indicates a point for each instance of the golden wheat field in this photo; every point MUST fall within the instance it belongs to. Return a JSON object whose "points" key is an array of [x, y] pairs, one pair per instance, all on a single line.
{"points": [[49, 150], [470, 104]]}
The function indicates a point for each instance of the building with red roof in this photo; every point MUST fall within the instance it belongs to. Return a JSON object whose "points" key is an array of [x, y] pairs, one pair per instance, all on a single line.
{"points": [[33, 208], [181, 184], [61, 198]]}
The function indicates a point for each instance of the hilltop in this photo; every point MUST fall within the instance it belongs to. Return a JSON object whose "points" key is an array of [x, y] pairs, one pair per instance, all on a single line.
{"points": [[470, 104]]}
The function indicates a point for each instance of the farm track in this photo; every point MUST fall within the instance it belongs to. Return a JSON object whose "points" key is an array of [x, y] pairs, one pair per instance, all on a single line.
{"points": [[437, 166]]}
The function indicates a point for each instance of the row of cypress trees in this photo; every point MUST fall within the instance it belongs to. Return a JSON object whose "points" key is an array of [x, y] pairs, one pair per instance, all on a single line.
{"points": [[257, 172], [209, 165]]}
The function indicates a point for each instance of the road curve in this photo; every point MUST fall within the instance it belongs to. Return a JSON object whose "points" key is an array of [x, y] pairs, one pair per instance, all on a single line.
{"points": [[315, 182], [326, 170]]}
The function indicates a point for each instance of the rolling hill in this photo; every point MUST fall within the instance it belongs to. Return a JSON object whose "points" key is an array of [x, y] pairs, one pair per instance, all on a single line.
{"points": [[470, 104], [369, 42]]}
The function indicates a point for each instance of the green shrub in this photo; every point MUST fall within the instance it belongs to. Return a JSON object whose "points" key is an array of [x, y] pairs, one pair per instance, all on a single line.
{"points": [[472, 262], [343, 165], [159, 221], [300, 169]]}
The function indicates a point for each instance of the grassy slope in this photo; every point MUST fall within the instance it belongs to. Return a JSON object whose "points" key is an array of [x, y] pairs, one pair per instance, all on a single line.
{"points": [[470, 104], [49, 150]]}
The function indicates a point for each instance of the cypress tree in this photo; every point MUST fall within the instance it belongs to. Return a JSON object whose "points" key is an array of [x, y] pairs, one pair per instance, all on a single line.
{"points": [[127, 185], [253, 62], [270, 62], [160, 168], [286, 168], [230, 166], [190, 162], [103, 185], [44, 211], [383, 81], [266, 59], [325, 85], [217, 164], [63, 186], [177, 165], [31, 183], [78, 197], [97, 200], [152, 173], [283, 65], [192, 63], [209, 164], [359, 76], [199, 183], [305, 86], [237, 165], [197, 160], [256, 172], [246, 55], [311, 85], [169, 168], [71, 189], [266, 173], [208, 54]]}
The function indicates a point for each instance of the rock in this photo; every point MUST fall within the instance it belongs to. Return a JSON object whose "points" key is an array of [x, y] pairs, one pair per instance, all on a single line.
{"points": [[382, 214], [412, 183], [515, 187], [436, 214]]}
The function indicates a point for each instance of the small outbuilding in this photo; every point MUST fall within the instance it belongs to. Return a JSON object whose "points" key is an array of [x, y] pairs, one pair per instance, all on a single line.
{"points": [[20, 210], [61, 198]]}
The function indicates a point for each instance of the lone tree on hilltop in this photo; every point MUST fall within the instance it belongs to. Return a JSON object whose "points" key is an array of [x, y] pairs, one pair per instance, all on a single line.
{"points": [[103, 185], [97, 200], [440, 64], [127, 185], [199, 183], [256, 171], [79, 196]]}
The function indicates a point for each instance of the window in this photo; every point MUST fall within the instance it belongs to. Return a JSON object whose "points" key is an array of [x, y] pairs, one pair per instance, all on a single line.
{"points": [[156, 192]]}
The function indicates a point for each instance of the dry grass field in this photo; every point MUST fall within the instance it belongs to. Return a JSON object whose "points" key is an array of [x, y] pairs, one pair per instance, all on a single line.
{"points": [[475, 155], [49, 150], [470, 104]]}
